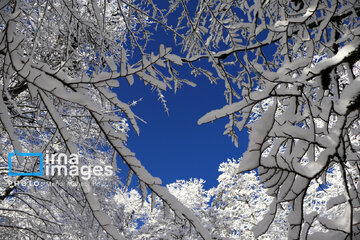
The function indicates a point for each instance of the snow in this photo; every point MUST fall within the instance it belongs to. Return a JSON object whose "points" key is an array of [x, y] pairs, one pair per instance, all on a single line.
{"points": [[130, 79], [330, 235], [123, 70], [343, 53], [341, 223], [147, 180], [174, 58], [334, 201], [281, 25], [285, 190], [263, 125], [181, 211], [7, 124], [264, 224], [225, 111], [153, 81], [347, 96], [285, 109], [123, 106], [94, 204]]}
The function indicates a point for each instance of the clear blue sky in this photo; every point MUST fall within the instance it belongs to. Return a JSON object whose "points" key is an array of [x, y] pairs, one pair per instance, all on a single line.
{"points": [[175, 147]]}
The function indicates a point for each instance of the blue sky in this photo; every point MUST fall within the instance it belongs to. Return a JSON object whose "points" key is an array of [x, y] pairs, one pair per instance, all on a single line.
{"points": [[175, 147]]}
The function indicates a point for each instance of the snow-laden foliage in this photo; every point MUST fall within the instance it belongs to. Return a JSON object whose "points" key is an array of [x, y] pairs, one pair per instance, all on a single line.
{"points": [[290, 69], [291, 76], [228, 210], [60, 59], [239, 203], [159, 222], [234, 208]]}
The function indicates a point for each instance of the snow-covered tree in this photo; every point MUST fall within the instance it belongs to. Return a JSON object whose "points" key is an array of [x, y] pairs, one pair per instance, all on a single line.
{"points": [[230, 210], [60, 59], [235, 207], [161, 223], [291, 76], [239, 203]]}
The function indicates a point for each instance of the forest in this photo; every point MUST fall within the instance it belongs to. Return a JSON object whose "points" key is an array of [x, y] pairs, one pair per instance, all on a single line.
{"points": [[289, 72]]}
